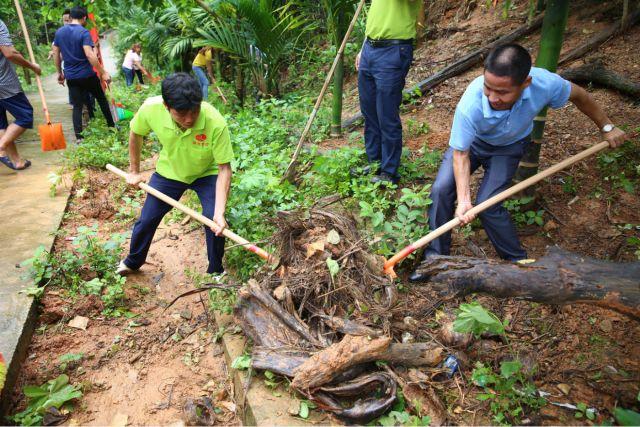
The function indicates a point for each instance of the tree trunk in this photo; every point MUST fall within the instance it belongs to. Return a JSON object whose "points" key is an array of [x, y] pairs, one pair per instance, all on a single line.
{"points": [[463, 64], [340, 29], [240, 86], [558, 278], [597, 74], [555, 21]]}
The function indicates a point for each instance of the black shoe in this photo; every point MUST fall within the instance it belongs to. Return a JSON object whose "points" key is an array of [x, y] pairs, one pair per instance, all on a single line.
{"points": [[384, 179], [356, 172], [416, 276]]}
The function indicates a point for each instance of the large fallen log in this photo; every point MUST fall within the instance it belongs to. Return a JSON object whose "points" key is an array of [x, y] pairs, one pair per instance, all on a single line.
{"points": [[322, 367], [599, 38], [287, 360], [558, 278], [463, 64], [596, 73]]}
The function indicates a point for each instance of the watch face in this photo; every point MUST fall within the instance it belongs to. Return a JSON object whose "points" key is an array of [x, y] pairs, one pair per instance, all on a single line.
{"points": [[607, 128]]}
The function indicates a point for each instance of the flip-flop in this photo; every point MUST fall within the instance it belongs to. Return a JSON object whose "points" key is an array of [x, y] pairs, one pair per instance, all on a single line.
{"points": [[8, 163]]}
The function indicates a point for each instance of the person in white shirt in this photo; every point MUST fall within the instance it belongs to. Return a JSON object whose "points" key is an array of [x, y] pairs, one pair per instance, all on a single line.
{"points": [[132, 61]]}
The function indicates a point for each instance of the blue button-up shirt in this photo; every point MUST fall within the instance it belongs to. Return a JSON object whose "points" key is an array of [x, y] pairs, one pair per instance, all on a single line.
{"points": [[475, 119]]}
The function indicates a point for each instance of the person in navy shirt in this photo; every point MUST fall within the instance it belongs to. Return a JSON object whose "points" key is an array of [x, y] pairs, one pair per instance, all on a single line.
{"points": [[491, 128], [73, 44]]}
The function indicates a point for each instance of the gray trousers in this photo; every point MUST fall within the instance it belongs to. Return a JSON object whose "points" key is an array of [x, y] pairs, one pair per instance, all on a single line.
{"points": [[499, 164]]}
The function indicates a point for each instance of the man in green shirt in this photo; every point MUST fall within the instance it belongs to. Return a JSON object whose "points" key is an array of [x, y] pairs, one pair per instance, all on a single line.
{"points": [[196, 154], [383, 64]]}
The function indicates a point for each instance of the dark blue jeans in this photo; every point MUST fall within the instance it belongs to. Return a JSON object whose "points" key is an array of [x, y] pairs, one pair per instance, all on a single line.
{"points": [[499, 164], [381, 78], [155, 209], [128, 75]]}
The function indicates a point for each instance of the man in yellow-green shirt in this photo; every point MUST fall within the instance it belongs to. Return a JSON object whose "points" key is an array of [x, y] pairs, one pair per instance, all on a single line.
{"points": [[196, 154], [383, 64]]}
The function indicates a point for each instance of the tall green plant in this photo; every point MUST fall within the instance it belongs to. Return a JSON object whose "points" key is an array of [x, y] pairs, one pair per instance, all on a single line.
{"points": [[339, 14], [553, 26]]}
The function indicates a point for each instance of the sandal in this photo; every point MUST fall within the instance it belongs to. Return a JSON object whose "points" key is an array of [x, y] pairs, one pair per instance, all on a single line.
{"points": [[8, 163]]}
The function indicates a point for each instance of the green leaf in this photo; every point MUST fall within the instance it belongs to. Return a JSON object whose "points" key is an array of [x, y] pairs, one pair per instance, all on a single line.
{"points": [[627, 417], [475, 319], [507, 369], [304, 410], [241, 362], [333, 266]]}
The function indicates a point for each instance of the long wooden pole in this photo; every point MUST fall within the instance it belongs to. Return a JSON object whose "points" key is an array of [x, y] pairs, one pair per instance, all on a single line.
{"points": [[198, 216], [390, 264], [33, 59], [316, 108]]}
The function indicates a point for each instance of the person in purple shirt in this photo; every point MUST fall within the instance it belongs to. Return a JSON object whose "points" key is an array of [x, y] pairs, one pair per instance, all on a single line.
{"points": [[72, 43], [491, 128]]}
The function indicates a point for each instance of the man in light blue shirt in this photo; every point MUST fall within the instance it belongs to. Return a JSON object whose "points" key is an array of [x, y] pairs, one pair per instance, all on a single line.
{"points": [[491, 128]]}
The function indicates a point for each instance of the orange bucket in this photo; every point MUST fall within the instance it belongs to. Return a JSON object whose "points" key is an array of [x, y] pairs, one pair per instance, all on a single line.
{"points": [[52, 137]]}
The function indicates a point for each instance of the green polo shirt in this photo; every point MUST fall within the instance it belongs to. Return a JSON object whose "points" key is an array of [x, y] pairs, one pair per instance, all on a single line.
{"points": [[392, 19], [189, 155]]}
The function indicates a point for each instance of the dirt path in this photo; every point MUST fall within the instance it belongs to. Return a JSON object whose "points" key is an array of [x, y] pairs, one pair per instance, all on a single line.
{"points": [[144, 367]]}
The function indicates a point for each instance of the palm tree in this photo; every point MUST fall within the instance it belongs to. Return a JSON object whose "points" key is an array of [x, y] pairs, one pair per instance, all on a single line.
{"points": [[259, 34]]}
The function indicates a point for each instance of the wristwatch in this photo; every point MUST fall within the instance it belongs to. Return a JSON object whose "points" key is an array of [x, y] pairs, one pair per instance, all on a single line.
{"points": [[607, 128]]}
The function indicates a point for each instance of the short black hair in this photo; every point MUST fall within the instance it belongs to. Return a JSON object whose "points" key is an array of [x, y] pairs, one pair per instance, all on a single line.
{"points": [[509, 60], [181, 91], [78, 12], [66, 11]]}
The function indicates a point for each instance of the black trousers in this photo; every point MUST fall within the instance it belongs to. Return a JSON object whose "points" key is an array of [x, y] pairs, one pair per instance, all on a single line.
{"points": [[155, 209], [139, 74], [80, 90]]}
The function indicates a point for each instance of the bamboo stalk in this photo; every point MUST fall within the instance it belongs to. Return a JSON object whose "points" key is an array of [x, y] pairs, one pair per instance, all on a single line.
{"points": [[294, 159]]}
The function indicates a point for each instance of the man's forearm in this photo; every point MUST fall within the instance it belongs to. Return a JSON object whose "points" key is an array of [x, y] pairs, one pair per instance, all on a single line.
{"points": [[223, 185], [585, 103], [57, 61], [135, 145], [17, 58], [462, 174], [93, 60]]}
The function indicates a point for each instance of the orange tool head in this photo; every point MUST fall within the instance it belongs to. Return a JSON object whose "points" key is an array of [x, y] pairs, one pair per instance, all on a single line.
{"points": [[52, 137]]}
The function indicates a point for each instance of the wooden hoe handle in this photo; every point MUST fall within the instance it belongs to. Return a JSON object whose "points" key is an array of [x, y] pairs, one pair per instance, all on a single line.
{"points": [[197, 216], [390, 264]]}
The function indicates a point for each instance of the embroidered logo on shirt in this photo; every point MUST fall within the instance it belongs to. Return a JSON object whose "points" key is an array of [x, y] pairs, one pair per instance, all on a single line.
{"points": [[201, 140]]}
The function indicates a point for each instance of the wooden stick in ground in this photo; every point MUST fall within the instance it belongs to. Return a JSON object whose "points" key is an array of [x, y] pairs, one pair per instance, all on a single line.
{"points": [[198, 216], [294, 159], [224, 98], [390, 264], [33, 59]]}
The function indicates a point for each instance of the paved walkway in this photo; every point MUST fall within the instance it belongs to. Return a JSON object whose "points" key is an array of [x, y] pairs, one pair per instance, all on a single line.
{"points": [[29, 216]]}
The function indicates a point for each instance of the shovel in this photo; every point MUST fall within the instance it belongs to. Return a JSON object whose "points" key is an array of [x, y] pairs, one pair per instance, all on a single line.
{"points": [[197, 216], [51, 135], [391, 263]]}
